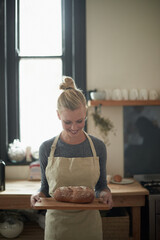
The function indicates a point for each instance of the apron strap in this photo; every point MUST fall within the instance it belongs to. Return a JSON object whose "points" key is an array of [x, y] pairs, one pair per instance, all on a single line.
{"points": [[91, 144], [53, 147]]}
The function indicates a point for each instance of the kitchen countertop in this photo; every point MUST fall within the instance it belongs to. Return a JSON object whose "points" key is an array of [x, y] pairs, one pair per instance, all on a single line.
{"points": [[18, 192], [134, 188], [25, 188]]}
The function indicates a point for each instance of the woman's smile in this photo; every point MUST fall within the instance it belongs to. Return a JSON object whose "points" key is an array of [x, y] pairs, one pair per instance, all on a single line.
{"points": [[73, 131]]}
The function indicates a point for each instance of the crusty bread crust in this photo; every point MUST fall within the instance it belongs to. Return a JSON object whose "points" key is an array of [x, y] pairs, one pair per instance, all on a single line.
{"points": [[74, 194], [117, 178]]}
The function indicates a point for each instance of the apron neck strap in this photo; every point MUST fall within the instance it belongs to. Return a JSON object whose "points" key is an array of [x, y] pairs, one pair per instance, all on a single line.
{"points": [[53, 147], [91, 144]]}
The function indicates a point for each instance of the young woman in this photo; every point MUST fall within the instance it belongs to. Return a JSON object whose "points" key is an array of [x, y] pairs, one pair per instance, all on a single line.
{"points": [[73, 158]]}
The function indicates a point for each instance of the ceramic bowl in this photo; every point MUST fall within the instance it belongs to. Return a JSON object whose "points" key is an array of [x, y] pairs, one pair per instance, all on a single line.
{"points": [[100, 95], [13, 230]]}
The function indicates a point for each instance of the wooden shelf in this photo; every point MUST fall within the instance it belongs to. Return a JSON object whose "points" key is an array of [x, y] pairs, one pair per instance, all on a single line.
{"points": [[124, 103]]}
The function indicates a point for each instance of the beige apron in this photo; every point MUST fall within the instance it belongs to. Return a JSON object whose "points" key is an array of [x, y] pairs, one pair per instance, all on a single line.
{"points": [[72, 224]]}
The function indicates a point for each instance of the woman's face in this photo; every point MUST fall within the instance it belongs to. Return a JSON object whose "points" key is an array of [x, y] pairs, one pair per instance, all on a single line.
{"points": [[73, 122]]}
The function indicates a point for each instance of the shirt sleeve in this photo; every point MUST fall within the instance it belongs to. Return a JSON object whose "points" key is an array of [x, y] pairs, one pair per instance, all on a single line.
{"points": [[102, 182], [43, 158]]}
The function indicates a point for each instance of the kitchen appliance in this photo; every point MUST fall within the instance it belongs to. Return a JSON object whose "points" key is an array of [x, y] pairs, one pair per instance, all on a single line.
{"points": [[2, 175], [152, 183]]}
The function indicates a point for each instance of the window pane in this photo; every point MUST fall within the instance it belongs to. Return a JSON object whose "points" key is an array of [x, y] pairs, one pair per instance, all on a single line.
{"points": [[39, 89], [40, 27]]}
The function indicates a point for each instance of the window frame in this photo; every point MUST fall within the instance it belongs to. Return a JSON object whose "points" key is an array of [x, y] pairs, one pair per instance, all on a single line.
{"points": [[74, 63]]}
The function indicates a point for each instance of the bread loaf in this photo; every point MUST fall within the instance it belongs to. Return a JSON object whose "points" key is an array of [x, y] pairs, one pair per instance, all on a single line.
{"points": [[74, 194], [117, 178]]}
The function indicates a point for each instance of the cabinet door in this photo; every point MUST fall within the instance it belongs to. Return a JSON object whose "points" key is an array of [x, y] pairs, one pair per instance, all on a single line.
{"points": [[157, 227]]}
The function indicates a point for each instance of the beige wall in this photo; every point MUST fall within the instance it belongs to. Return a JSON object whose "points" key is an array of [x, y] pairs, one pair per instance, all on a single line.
{"points": [[123, 51], [123, 43]]}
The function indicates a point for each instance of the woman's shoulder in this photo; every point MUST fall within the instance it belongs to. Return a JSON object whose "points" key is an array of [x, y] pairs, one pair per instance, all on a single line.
{"points": [[46, 145], [98, 143]]}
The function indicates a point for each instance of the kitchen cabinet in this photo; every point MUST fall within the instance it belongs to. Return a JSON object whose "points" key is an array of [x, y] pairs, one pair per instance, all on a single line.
{"points": [[18, 192], [124, 103]]}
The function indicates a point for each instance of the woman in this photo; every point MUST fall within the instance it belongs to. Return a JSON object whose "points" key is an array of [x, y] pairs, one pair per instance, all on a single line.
{"points": [[73, 158]]}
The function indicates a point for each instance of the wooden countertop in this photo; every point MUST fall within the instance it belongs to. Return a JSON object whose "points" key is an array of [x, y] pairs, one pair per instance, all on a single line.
{"points": [[24, 187], [20, 187], [18, 192], [134, 188]]}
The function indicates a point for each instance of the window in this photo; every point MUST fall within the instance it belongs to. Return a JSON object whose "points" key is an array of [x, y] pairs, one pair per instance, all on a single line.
{"points": [[19, 69], [40, 69]]}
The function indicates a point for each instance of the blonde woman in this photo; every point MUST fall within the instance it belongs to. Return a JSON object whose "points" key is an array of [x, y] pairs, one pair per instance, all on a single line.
{"points": [[73, 158]]}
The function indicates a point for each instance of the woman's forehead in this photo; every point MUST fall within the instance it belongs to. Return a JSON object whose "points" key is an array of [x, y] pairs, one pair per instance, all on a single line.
{"points": [[77, 113]]}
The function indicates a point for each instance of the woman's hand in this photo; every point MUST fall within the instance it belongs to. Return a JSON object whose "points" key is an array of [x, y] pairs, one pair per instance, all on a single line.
{"points": [[36, 198], [106, 197]]}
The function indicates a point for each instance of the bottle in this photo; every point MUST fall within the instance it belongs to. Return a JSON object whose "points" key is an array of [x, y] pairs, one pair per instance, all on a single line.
{"points": [[2, 176]]}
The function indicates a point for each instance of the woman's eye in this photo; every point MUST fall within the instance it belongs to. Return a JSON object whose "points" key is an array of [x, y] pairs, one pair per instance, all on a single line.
{"points": [[79, 121]]}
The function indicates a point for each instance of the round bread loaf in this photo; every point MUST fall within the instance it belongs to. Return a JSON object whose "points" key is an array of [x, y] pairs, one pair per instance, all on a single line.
{"points": [[117, 178], [74, 194]]}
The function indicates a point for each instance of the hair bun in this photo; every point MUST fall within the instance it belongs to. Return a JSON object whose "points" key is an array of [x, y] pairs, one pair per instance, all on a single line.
{"points": [[68, 83]]}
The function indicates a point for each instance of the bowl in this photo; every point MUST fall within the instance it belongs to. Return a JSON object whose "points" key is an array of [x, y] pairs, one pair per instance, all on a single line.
{"points": [[99, 95], [11, 230]]}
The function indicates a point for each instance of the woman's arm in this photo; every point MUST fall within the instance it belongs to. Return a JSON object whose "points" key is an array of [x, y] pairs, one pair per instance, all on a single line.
{"points": [[43, 158], [102, 154], [102, 190]]}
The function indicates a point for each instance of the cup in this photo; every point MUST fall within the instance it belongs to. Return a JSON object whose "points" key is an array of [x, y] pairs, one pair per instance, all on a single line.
{"points": [[124, 93], [108, 94], [116, 94], [153, 94], [143, 94], [109, 177], [133, 94]]}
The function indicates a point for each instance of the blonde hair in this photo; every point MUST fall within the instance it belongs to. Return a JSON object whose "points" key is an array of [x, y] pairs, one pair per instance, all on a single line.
{"points": [[71, 97]]}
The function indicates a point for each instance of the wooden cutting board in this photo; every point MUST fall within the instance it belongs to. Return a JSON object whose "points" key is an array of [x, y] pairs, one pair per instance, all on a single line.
{"points": [[51, 203]]}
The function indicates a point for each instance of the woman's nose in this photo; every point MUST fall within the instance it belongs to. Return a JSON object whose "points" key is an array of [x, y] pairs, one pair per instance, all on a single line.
{"points": [[74, 126]]}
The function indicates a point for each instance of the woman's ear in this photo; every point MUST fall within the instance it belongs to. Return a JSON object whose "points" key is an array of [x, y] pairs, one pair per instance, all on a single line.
{"points": [[58, 114]]}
